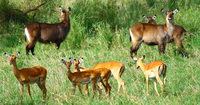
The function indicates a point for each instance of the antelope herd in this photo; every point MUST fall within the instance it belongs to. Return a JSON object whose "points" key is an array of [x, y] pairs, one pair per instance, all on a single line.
{"points": [[150, 33]]}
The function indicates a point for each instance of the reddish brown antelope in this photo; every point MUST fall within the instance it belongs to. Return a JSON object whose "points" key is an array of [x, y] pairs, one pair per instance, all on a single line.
{"points": [[116, 69], [152, 70], [27, 76], [48, 33], [83, 77], [178, 34], [152, 34], [104, 74]]}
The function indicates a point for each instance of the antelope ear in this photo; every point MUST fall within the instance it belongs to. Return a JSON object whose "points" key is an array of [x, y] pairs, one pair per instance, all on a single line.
{"points": [[143, 57], [175, 11], [7, 55], [69, 9], [63, 61], [163, 11], [60, 9], [80, 60], [17, 54], [144, 17], [72, 60], [154, 17]]}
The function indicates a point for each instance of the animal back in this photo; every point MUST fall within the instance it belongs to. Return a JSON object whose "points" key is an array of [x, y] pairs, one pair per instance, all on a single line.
{"points": [[153, 65], [34, 71]]}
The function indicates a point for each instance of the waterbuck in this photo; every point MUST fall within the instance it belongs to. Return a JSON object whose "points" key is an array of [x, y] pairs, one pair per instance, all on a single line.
{"points": [[48, 33], [152, 34], [178, 34], [150, 20]]}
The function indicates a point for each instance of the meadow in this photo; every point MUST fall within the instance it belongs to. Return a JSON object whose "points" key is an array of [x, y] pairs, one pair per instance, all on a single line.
{"points": [[100, 33]]}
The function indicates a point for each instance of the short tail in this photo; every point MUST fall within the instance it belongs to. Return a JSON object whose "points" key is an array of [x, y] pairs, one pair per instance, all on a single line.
{"points": [[121, 70], [131, 36], [25, 38], [162, 69], [27, 35]]}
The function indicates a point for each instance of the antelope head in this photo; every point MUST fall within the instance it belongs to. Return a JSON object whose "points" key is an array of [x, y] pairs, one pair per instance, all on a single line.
{"points": [[12, 57], [68, 64], [77, 63], [150, 20], [64, 13], [170, 14], [138, 61]]}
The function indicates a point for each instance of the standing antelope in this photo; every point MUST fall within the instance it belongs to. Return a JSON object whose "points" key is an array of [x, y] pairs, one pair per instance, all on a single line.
{"points": [[152, 34], [48, 33], [84, 77], [116, 69], [178, 34], [150, 20], [104, 73], [152, 70], [29, 76]]}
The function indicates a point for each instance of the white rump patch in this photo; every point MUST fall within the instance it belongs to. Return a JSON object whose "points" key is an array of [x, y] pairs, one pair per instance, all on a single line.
{"points": [[152, 75], [132, 38], [27, 34]]}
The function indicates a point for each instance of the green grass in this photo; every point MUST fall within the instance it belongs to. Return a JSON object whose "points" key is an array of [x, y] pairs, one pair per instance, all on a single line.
{"points": [[100, 33]]}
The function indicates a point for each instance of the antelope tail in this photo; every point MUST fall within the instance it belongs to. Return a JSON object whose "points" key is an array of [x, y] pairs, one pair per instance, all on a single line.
{"points": [[121, 70], [162, 69], [25, 38]]}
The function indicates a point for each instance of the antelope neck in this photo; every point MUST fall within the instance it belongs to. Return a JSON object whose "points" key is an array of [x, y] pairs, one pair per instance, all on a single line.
{"points": [[15, 69], [141, 65]]}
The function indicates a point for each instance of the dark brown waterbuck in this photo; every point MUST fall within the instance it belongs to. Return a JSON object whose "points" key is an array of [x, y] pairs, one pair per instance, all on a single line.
{"points": [[152, 34], [48, 33]]}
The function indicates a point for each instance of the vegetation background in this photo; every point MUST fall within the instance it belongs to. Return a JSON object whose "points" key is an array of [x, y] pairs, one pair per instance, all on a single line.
{"points": [[100, 33]]}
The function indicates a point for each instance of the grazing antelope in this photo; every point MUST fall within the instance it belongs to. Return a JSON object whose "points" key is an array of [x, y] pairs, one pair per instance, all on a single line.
{"points": [[116, 69], [48, 33], [104, 73], [84, 77], [27, 76], [152, 34], [178, 34], [152, 70]]}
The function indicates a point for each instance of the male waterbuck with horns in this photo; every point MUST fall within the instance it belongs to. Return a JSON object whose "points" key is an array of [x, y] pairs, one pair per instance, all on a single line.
{"points": [[48, 33], [152, 34]]}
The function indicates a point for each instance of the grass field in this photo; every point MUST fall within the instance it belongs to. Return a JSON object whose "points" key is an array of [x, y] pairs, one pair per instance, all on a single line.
{"points": [[100, 33]]}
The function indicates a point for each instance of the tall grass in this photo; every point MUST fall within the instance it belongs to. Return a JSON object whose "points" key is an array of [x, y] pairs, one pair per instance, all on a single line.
{"points": [[100, 33]]}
